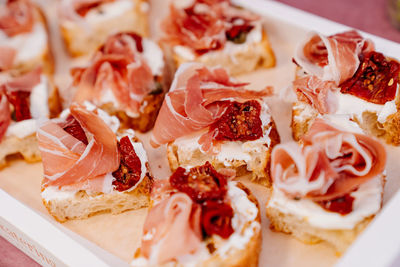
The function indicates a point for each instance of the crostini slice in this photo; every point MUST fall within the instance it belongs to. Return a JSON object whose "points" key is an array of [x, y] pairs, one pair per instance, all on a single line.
{"points": [[328, 187], [199, 218], [208, 116], [91, 165]]}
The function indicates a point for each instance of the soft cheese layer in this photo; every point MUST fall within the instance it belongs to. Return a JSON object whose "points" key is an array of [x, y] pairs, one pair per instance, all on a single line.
{"points": [[367, 202], [28, 45]]}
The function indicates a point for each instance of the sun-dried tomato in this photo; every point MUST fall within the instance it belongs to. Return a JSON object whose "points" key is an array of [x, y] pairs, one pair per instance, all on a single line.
{"points": [[240, 122], [130, 168], [21, 103], [200, 183], [342, 205], [375, 80], [73, 127], [216, 218], [239, 30]]}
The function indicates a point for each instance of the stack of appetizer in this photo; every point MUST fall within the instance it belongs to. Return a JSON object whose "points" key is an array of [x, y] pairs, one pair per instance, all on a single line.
{"points": [[325, 186]]}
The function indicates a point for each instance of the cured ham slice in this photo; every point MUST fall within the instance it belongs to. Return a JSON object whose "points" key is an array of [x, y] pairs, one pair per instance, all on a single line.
{"points": [[198, 97], [16, 17], [76, 9], [316, 92], [330, 164], [332, 58], [68, 161], [120, 67], [23, 83], [7, 56], [5, 115], [172, 228], [205, 25]]}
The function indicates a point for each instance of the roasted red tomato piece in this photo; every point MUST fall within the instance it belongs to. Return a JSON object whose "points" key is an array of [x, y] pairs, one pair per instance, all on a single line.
{"points": [[216, 218], [21, 103], [200, 183], [240, 122], [342, 205], [375, 80], [73, 127], [239, 30], [130, 168]]}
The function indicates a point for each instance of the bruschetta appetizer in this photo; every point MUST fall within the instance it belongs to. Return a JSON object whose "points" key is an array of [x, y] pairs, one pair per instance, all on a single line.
{"points": [[208, 116], [328, 187], [216, 33], [90, 165], [127, 78], [86, 24], [342, 74], [24, 99], [24, 39], [199, 218]]}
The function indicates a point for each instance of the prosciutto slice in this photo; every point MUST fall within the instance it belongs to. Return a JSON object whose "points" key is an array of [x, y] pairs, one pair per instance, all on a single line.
{"points": [[75, 10], [7, 56], [67, 161], [23, 83], [332, 58], [172, 229], [330, 164], [198, 97], [203, 24], [118, 67], [16, 17], [316, 92]]}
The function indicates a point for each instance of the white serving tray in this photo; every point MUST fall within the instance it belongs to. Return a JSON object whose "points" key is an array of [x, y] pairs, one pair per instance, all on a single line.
{"points": [[26, 224]]}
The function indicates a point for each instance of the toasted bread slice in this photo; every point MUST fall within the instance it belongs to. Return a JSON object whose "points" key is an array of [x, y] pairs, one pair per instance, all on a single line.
{"points": [[65, 206], [236, 58], [304, 114], [381, 121], [33, 48], [85, 34], [20, 138], [242, 156], [237, 254], [300, 217]]}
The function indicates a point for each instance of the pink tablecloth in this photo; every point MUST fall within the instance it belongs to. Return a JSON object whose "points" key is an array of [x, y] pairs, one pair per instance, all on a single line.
{"points": [[367, 15]]}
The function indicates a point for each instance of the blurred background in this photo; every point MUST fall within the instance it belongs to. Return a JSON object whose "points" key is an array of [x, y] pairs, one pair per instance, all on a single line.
{"points": [[367, 15]]}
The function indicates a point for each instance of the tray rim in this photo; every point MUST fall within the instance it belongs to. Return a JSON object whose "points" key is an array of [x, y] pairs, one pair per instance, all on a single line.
{"points": [[52, 240]]}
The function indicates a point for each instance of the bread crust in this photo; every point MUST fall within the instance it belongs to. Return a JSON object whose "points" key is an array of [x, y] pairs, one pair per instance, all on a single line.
{"points": [[260, 174], [79, 41], [257, 55], [83, 205], [248, 256]]}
